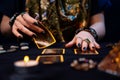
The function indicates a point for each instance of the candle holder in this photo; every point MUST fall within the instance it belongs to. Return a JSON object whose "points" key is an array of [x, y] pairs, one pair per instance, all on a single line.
{"points": [[26, 69], [29, 67], [26, 73]]}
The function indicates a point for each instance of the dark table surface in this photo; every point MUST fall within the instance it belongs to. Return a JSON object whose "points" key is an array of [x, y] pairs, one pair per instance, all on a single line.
{"points": [[57, 71]]}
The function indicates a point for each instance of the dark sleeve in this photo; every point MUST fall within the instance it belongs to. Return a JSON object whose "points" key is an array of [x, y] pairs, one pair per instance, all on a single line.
{"points": [[9, 7], [99, 6]]}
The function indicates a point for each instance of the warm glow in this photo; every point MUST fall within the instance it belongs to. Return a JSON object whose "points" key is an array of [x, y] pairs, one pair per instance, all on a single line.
{"points": [[117, 60], [26, 59]]}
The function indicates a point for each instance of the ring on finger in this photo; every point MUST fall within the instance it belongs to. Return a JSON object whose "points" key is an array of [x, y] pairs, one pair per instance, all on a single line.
{"points": [[87, 40]]}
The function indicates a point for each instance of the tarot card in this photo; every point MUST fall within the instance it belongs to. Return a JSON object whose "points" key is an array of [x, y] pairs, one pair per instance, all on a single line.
{"points": [[53, 51], [88, 52], [50, 59], [45, 39]]}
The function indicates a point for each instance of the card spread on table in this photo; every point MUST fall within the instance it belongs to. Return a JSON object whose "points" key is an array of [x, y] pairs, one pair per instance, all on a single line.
{"points": [[88, 52], [50, 59], [53, 51]]}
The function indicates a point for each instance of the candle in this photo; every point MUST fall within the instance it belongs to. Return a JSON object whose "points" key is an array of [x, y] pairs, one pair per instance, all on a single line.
{"points": [[26, 62], [25, 68]]}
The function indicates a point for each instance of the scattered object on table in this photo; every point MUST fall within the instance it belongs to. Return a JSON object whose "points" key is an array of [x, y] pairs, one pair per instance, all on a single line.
{"points": [[2, 51], [53, 51], [111, 63], [83, 64], [14, 46], [50, 59], [74, 63], [1, 47], [88, 52], [24, 46], [11, 50]]}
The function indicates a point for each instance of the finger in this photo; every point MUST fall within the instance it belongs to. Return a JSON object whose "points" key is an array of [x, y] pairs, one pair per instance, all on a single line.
{"points": [[78, 41], [92, 46], [96, 45], [16, 33], [71, 43], [36, 28], [24, 29], [84, 45], [32, 22], [22, 21], [28, 18]]}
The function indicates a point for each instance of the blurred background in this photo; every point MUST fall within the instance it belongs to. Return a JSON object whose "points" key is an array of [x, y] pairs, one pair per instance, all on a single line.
{"points": [[112, 19]]}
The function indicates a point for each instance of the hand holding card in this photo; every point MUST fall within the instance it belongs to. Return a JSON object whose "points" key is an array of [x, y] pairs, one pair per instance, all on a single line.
{"points": [[45, 39]]}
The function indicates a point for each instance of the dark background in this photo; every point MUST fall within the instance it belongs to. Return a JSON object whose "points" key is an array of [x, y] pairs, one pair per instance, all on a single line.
{"points": [[112, 16]]}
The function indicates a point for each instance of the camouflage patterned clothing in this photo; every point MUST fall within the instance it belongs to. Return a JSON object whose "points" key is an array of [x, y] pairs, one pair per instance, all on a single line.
{"points": [[62, 17]]}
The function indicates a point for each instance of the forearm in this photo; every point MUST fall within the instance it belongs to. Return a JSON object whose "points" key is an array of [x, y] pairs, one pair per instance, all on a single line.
{"points": [[98, 24]]}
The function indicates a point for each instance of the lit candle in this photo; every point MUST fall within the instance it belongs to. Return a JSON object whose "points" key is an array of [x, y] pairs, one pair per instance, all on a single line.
{"points": [[26, 62]]}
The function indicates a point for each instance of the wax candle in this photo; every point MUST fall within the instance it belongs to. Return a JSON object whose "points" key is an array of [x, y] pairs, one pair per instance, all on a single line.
{"points": [[26, 62], [26, 69]]}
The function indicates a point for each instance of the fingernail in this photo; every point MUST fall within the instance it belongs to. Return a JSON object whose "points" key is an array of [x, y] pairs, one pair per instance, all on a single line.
{"points": [[79, 45], [20, 36], [36, 23], [43, 32], [93, 47], [34, 35], [84, 48]]}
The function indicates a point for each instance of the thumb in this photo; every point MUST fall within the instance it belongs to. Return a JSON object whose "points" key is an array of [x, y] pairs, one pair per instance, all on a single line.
{"points": [[70, 44]]}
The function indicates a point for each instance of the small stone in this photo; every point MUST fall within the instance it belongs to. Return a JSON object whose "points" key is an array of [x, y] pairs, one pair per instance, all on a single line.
{"points": [[2, 51], [13, 46], [24, 44], [11, 50], [24, 48], [1, 47]]}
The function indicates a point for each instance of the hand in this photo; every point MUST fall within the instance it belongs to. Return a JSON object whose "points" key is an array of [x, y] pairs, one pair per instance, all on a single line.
{"points": [[84, 40], [25, 24]]}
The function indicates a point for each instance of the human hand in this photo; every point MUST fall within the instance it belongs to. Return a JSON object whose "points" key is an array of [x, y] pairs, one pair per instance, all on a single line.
{"points": [[84, 40], [26, 24]]}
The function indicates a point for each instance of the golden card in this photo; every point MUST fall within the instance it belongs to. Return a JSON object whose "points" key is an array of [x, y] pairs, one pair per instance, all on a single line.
{"points": [[53, 51], [88, 52], [43, 40], [50, 59]]}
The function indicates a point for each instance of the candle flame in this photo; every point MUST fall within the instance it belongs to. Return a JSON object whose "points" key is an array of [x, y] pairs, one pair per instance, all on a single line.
{"points": [[26, 59]]}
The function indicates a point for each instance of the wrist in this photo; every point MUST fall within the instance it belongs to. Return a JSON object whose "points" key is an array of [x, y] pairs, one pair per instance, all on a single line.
{"points": [[90, 30], [12, 19]]}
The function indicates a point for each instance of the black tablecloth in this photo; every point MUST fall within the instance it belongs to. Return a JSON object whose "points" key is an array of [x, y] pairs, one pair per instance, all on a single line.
{"points": [[57, 71]]}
